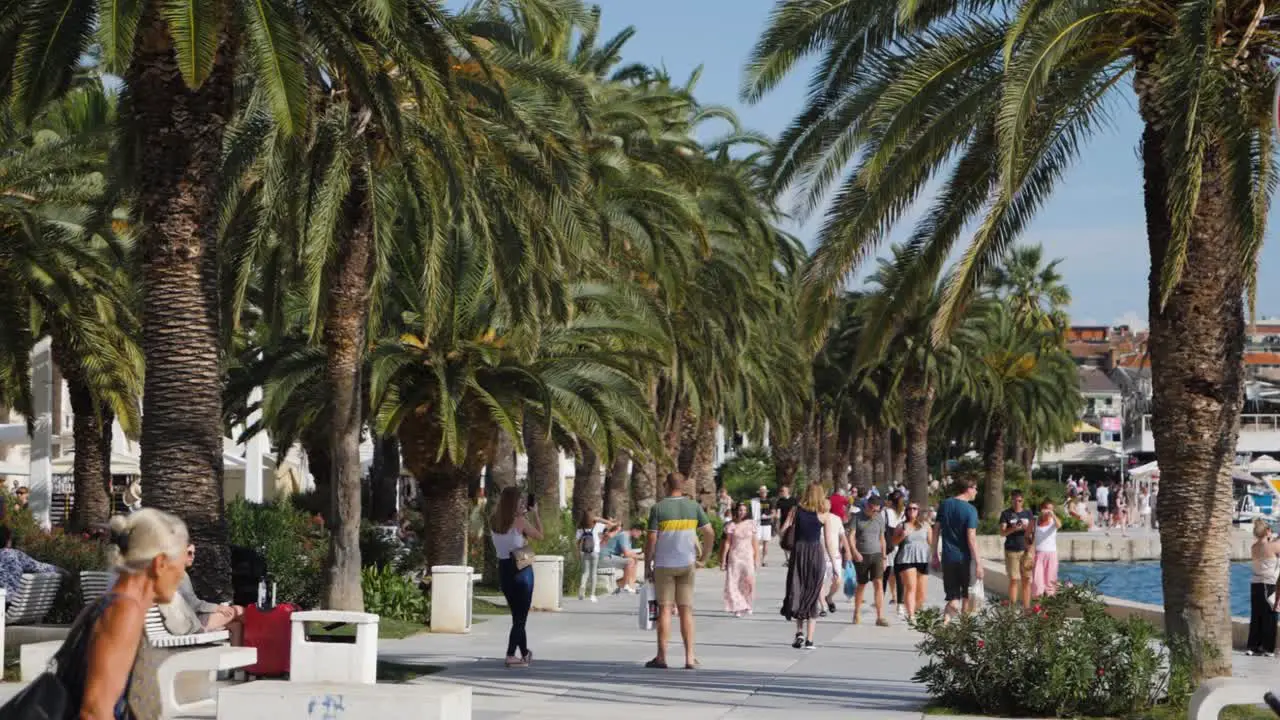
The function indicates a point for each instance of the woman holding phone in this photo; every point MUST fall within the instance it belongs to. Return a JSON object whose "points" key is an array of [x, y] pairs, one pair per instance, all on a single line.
{"points": [[514, 523]]}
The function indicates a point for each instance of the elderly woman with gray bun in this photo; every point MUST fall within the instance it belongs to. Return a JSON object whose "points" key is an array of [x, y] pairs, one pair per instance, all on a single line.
{"points": [[149, 551]]}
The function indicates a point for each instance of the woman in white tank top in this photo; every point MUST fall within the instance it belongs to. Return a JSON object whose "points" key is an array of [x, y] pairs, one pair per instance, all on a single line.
{"points": [[1044, 575], [1265, 555], [512, 524]]}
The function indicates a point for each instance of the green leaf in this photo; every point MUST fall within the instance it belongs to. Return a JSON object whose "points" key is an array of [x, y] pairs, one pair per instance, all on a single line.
{"points": [[195, 26], [117, 28], [275, 51], [53, 37]]}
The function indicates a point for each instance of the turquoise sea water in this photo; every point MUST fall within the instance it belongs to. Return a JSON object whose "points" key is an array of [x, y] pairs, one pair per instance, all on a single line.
{"points": [[1141, 581]]}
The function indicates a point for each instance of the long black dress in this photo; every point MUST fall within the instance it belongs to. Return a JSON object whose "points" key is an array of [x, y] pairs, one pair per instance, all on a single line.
{"points": [[805, 574]]}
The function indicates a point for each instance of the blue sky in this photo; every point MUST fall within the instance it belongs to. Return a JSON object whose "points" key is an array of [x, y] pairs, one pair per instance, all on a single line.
{"points": [[1094, 222]]}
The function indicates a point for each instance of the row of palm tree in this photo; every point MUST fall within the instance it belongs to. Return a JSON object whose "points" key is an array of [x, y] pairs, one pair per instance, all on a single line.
{"points": [[453, 233], [995, 100], [887, 394]]}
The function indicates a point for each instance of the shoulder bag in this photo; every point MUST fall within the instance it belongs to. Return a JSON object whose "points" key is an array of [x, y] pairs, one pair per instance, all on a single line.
{"points": [[787, 541], [522, 557]]}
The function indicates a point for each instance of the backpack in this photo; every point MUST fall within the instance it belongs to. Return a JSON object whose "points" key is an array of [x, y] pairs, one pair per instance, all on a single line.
{"points": [[587, 542]]}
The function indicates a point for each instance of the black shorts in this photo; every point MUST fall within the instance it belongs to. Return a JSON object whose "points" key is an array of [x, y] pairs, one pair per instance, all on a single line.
{"points": [[920, 568], [955, 580]]}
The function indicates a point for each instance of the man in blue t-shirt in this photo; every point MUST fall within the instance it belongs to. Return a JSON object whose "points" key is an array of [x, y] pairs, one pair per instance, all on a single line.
{"points": [[957, 529], [619, 553]]}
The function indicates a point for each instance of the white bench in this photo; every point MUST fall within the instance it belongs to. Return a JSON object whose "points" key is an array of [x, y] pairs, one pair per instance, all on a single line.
{"points": [[159, 637], [186, 679], [34, 599], [93, 585], [1216, 694], [283, 700]]}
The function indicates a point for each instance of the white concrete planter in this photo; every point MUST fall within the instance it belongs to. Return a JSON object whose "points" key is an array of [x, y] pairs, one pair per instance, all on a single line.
{"points": [[334, 662], [451, 595], [548, 582]]}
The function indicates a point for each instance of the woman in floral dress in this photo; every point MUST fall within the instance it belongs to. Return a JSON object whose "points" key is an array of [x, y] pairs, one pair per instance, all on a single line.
{"points": [[739, 557]]}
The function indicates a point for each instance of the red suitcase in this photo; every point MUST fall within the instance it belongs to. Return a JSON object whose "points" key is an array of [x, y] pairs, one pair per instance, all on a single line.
{"points": [[268, 631]]}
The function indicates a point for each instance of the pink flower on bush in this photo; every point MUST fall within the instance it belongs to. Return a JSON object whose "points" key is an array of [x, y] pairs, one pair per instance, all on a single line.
{"points": [[1101, 672], [981, 644]]}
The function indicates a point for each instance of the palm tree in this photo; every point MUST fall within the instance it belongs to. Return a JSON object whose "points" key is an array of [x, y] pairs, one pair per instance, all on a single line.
{"points": [[63, 272], [1018, 385], [1032, 289], [1006, 95]]}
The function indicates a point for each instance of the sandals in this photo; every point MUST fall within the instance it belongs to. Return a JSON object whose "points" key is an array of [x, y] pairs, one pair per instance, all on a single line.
{"points": [[656, 664], [798, 642], [693, 665]]}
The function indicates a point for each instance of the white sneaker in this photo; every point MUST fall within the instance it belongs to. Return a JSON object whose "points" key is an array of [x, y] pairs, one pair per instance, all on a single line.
{"points": [[902, 612], [593, 598]]}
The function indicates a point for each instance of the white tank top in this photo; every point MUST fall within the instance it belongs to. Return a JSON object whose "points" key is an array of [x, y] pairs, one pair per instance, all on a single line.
{"points": [[1265, 570], [504, 543], [1047, 538]]}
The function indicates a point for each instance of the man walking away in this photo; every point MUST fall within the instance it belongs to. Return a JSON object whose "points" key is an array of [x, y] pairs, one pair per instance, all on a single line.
{"points": [[782, 510], [1014, 523], [671, 560], [1104, 508], [762, 512], [868, 557], [957, 532]]}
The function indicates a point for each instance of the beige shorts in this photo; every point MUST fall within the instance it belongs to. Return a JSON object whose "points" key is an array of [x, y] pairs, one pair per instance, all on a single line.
{"points": [[674, 586], [1016, 566]]}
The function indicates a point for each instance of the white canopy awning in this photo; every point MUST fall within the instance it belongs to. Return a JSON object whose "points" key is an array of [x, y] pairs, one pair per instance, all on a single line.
{"points": [[1264, 464], [1080, 453], [120, 464], [1151, 468]]}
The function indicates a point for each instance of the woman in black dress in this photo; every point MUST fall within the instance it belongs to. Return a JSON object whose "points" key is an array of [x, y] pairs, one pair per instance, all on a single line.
{"points": [[809, 556]]}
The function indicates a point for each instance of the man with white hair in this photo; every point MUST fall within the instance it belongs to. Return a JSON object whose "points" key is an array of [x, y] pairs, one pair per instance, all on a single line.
{"points": [[762, 512]]}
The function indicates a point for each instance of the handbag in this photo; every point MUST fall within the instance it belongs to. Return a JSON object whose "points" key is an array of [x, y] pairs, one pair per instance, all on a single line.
{"points": [[850, 580], [522, 557], [647, 612], [56, 693], [787, 541]]}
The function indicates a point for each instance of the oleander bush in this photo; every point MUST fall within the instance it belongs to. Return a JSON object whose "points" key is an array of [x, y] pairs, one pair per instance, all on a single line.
{"points": [[1065, 658], [294, 543]]}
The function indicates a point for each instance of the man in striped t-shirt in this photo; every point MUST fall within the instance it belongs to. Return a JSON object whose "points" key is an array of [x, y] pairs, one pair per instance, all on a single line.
{"points": [[671, 558]]}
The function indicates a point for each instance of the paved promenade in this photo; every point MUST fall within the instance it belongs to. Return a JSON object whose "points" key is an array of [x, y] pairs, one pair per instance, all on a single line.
{"points": [[588, 663]]}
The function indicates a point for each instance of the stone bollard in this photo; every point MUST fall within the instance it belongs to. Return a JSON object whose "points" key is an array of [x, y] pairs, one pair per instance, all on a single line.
{"points": [[451, 593], [548, 582]]}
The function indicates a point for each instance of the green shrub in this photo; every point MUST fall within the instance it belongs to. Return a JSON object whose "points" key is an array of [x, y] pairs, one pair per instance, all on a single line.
{"points": [[389, 594], [294, 543], [1066, 658], [744, 473]]}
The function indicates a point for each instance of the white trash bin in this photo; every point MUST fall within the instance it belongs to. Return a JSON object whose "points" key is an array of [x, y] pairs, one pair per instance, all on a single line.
{"points": [[451, 594], [334, 662], [548, 582]]}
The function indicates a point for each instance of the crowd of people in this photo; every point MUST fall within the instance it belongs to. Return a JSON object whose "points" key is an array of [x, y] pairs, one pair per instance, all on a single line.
{"points": [[1120, 505]]}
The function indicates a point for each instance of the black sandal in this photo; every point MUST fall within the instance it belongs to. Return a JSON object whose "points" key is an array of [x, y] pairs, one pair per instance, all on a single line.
{"points": [[799, 641], [655, 664]]}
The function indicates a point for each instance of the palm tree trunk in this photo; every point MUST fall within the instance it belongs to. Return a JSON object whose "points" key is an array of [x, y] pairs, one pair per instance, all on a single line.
{"points": [[617, 490], [92, 469], [384, 478], [702, 473], [812, 447], [344, 341], [828, 454], [315, 444], [91, 427], [859, 476], [842, 474], [443, 483], [879, 457], [787, 457], [899, 445], [688, 442], [588, 482], [644, 487], [993, 466], [1196, 346], [544, 470], [917, 408], [176, 150]]}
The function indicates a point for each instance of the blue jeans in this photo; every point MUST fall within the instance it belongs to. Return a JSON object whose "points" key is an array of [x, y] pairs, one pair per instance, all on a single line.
{"points": [[517, 588]]}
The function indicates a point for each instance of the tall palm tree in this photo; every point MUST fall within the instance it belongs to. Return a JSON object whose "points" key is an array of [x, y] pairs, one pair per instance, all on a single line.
{"points": [[1033, 290], [64, 276], [1017, 385], [1006, 95]]}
